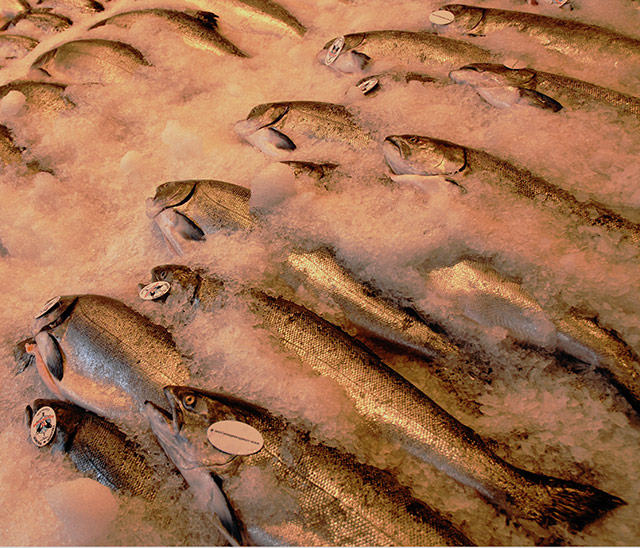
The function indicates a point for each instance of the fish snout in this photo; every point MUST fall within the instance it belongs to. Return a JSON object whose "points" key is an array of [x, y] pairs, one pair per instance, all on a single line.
{"points": [[153, 208]]}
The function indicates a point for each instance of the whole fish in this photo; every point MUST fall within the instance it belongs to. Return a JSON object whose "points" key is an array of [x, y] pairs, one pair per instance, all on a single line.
{"points": [[355, 53], [487, 297], [45, 20], [14, 46], [337, 501], [503, 87], [392, 407], [90, 61], [262, 15], [96, 446], [100, 354], [420, 156], [572, 38], [43, 98], [279, 128], [197, 29], [71, 6]]}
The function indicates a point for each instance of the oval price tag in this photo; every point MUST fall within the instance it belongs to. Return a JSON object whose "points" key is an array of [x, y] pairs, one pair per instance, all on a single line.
{"points": [[334, 50], [154, 290], [235, 438], [48, 306], [514, 63], [441, 17], [43, 426]]}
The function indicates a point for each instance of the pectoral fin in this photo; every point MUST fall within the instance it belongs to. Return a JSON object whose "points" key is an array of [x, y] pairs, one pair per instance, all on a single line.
{"points": [[50, 353], [187, 228], [538, 100]]}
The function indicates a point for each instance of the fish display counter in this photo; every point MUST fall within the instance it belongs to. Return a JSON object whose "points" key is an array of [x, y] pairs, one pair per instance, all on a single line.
{"points": [[333, 273]]}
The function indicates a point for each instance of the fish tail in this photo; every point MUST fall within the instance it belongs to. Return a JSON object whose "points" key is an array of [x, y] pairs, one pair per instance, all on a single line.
{"points": [[566, 501]]}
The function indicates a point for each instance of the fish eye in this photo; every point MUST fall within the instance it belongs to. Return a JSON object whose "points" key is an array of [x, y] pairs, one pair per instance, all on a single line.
{"points": [[189, 401], [163, 274], [413, 140]]}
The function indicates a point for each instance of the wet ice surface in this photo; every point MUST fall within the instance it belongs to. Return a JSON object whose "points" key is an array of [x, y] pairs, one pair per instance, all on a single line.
{"points": [[83, 229]]}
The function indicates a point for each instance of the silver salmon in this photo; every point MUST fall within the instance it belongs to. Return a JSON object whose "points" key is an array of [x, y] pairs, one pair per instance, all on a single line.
{"points": [[337, 501], [503, 87], [71, 6], [572, 38], [392, 407], [90, 61], [485, 296], [45, 20], [424, 156], [279, 128], [263, 15], [95, 446], [197, 29], [102, 355], [14, 46], [45, 99], [358, 53]]}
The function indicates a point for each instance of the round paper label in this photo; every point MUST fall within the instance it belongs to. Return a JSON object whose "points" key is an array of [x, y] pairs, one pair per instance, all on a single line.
{"points": [[43, 426], [235, 438], [514, 63], [154, 290], [368, 85], [48, 306], [441, 17], [334, 50]]}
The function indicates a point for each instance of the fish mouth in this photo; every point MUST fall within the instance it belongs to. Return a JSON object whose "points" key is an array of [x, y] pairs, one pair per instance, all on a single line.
{"points": [[162, 420], [395, 154]]}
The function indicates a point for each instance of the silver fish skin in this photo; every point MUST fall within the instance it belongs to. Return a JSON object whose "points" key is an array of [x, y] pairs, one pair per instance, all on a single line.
{"points": [[15, 46], [197, 29], [102, 355], [263, 15], [338, 501], [99, 449], [71, 7], [90, 61], [489, 298], [419, 50], [492, 80], [571, 38], [45, 20], [45, 99], [221, 205], [186, 211], [425, 156], [279, 128], [392, 407]]}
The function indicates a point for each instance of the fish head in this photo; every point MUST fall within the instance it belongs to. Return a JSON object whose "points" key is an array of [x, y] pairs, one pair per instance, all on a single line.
{"points": [[341, 54], [491, 75], [177, 228], [465, 20], [417, 155], [188, 286], [64, 423], [258, 129]]}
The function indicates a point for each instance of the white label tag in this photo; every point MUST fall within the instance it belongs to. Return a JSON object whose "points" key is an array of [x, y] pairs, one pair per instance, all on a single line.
{"points": [[235, 438], [514, 63], [441, 17], [154, 290], [558, 3], [334, 50], [48, 306], [43, 426], [368, 85]]}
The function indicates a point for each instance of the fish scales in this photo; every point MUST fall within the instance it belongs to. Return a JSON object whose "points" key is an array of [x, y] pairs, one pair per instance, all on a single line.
{"points": [[563, 35], [114, 358], [338, 501], [46, 98], [98, 448], [197, 31], [406, 416], [320, 272], [526, 184]]}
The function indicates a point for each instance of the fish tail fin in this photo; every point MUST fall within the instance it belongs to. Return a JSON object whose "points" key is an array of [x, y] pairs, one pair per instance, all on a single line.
{"points": [[566, 501]]}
